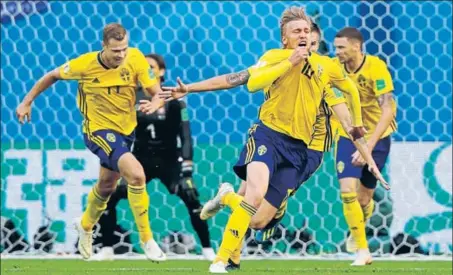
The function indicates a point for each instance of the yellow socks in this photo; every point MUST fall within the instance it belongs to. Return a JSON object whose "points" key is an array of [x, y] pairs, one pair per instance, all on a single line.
{"points": [[354, 218], [368, 210], [232, 200], [95, 207], [235, 230], [236, 255], [139, 203]]}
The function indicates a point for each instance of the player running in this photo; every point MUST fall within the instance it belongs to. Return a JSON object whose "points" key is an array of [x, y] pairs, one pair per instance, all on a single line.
{"points": [[106, 98], [273, 207], [357, 185], [157, 148], [275, 157]]}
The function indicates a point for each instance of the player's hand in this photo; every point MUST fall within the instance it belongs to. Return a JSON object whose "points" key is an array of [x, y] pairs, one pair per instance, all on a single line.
{"points": [[300, 53], [377, 174], [177, 91], [357, 159], [150, 106], [357, 132], [187, 188], [23, 112]]}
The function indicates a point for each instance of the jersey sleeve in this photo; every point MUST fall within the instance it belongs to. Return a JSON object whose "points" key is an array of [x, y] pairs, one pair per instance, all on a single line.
{"points": [[268, 69], [74, 68], [336, 73], [382, 80], [333, 96], [341, 81], [145, 74]]}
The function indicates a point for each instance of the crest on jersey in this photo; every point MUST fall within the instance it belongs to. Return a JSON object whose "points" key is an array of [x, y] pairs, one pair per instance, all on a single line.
{"points": [[262, 150], [125, 75], [362, 81], [340, 167], [320, 70], [111, 137]]}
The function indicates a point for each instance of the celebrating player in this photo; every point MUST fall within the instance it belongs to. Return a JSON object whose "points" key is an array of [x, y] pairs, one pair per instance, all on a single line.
{"points": [[156, 148], [106, 98], [378, 109], [275, 157], [269, 214]]}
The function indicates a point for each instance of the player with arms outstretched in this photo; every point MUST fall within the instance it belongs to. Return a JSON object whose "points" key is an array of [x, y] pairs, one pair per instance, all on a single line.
{"points": [[357, 185], [275, 159], [106, 98], [273, 207]]}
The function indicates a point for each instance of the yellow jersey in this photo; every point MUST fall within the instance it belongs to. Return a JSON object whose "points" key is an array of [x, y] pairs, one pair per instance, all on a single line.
{"points": [[373, 79], [292, 101], [106, 97], [327, 124]]}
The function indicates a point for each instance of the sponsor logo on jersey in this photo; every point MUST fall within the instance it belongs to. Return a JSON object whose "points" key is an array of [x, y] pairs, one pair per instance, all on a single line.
{"points": [[380, 84]]}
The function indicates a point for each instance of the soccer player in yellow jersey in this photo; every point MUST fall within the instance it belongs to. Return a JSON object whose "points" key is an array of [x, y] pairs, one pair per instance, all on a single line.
{"points": [[378, 111], [275, 157], [106, 98]]}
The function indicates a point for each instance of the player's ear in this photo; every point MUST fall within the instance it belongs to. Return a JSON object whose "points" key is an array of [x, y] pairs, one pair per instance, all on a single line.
{"points": [[284, 41], [161, 72]]}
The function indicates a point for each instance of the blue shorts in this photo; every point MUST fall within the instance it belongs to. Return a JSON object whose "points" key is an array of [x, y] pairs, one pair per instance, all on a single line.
{"points": [[345, 148], [285, 157], [109, 146]]}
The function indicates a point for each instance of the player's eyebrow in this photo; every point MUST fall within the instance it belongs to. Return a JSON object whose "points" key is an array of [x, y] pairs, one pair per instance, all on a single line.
{"points": [[119, 50]]}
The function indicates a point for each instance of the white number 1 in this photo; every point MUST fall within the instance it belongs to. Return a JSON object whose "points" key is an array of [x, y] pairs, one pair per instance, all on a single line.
{"points": [[151, 130]]}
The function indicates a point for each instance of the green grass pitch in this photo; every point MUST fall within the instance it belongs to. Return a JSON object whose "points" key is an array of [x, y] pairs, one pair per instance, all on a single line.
{"points": [[189, 267]]}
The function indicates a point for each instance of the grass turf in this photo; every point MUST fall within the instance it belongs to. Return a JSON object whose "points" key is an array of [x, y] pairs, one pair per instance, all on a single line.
{"points": [[136, 267]]}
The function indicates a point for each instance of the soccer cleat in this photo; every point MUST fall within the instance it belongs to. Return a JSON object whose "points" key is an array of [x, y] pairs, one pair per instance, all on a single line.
{"points": [[85, 244], [153, 251], [217, 267], [214, 205], [363, 258], [105, 254], [351, 245], [232, 266], [265, 234], [208, 253]]}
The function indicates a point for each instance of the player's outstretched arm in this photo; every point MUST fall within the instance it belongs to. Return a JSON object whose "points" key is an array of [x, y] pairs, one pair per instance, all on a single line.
{"points": [[221, 82], [226, 81], [342, 112], [23, 111]]}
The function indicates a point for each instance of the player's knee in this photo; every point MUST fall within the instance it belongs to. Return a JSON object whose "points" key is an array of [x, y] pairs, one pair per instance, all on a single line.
{"points": [[136, 178], [106, 189], [348, 185], [364, 199], [257, 224]]}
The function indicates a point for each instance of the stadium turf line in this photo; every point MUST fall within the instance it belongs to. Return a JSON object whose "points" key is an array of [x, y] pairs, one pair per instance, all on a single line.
{"points": [[192, 267]]}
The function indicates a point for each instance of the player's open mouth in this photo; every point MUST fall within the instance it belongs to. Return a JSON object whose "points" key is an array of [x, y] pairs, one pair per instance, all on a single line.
{"points": [[302, 43]]}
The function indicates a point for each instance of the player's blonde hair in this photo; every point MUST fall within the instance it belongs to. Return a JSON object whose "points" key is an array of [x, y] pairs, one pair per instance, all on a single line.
{"points": [[292, 14], [113, 31]]}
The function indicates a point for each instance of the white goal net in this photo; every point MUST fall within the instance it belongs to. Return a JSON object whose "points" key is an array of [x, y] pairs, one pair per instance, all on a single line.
{"points": [[47, 172]]}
